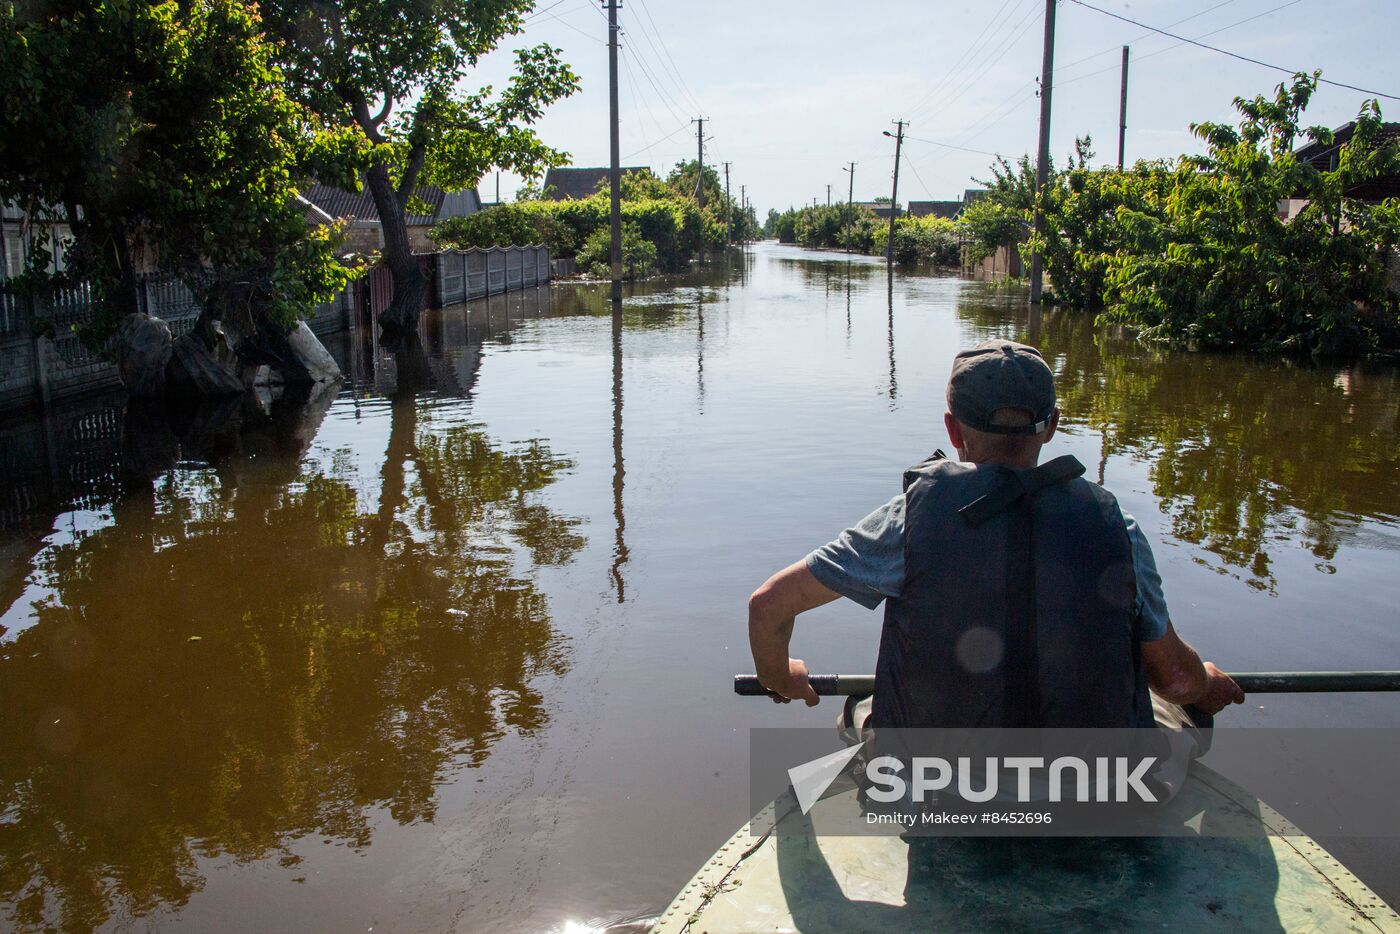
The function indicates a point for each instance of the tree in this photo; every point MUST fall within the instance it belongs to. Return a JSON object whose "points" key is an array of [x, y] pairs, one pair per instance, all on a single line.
{"points": [[391, 71], [162, 126], [1219, 266]]}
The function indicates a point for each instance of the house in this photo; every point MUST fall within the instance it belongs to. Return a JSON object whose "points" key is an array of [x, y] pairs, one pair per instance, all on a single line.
{"points": [[972, 194], [576, 183], [18, 236], [1324, 159], [946, 209], [881, 208], [365, 234]]}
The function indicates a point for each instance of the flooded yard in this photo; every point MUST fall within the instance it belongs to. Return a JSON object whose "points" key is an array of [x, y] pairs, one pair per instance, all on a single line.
{"points": [[449, 646]]}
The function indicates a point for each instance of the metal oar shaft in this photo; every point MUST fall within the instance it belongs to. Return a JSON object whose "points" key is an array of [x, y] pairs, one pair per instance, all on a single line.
{"points": [[1251, 682]]}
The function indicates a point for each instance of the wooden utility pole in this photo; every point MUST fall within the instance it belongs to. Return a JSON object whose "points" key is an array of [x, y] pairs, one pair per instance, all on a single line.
{"points": [[700, 174], [1042, 165], [894, 192], [615, 168], [744, 199], [700, 161], [1123, 109], [729, 209], [498, 186], [828, 196], [850, 208]]}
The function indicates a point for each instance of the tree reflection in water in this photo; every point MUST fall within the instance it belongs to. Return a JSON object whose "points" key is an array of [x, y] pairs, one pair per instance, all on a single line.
{"points": [[251, 652], [1247, 455]]}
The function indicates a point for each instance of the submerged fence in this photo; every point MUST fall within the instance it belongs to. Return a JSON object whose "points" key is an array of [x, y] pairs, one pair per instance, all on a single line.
{"points": [[462, 275], [42, 356]]}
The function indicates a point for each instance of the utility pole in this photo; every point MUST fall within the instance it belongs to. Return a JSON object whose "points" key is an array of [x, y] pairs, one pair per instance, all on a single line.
{"points": [[498, 186], [1123, 109], [894, 192], [700, 174], [828, 196], [744, 198], [850, 197], [615, 169], [1042, 166], [700, 161], [729, 209]]}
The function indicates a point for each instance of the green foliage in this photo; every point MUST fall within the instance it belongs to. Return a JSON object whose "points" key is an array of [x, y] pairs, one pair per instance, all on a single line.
{"points": [[394, 73], [920, 240], [821, 227], [664, 214], [1001, 216], [1218, 266], [1197, 249], [638, 253], [165, 125]]}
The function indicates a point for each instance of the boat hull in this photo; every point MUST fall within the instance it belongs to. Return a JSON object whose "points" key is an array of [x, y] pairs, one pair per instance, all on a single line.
{"points": [[1265, 875]]}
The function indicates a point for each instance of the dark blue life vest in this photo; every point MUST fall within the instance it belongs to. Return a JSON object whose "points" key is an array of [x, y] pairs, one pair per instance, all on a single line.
{"points": [[1017, 607]]}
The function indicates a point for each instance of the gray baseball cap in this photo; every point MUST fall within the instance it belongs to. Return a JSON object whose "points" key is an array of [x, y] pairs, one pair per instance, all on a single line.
{"points": [[1001, 375]]}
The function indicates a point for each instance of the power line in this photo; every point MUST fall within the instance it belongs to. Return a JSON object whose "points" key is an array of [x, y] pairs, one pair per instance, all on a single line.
{"points": [[660, 38], [647, 73], [994, 58], [1114, 48], [556, 3], [1234, 55], [934, 142], [563, 22], [969, 51], [1204, 35], [663, 139]]}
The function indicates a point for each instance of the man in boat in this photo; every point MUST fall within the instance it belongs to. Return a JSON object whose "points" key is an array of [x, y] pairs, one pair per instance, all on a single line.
{"points": [[1016, 594]]}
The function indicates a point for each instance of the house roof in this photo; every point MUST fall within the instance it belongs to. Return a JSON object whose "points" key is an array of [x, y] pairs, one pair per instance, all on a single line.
{"points": [[580, 182], [948, 209], [339, 203], [1324, 158], [972, 194], [881, 208]]}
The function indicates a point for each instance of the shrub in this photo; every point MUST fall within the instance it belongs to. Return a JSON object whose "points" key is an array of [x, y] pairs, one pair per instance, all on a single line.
{"points": [[638, 253]]}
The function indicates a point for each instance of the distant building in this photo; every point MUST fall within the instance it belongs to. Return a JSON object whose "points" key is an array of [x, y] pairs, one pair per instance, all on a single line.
{"points": [[948, 209], [881, 208], [577, 183], [1324, 159], [365, 233], [972, 194]]}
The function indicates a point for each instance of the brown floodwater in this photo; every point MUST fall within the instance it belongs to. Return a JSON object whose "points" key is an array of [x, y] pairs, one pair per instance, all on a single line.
{"points": [[449, 646]]}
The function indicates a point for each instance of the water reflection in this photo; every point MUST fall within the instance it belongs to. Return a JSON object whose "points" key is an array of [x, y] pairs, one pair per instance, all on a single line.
{"points": [[619, 467], [1248, 456], [263, 645]]}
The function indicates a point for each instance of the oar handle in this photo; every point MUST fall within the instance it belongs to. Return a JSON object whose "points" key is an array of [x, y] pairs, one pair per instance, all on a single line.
{"points": [[1251, 682]]}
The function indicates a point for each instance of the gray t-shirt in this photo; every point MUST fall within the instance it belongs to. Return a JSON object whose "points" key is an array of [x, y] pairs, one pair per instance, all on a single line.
{"points": [[866, 564]]}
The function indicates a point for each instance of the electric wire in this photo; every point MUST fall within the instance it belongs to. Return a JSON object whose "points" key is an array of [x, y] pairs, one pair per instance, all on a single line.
{"points": [[675, 69], [969, 51], [1020, 30], [1178, 45], [1234, 55]]}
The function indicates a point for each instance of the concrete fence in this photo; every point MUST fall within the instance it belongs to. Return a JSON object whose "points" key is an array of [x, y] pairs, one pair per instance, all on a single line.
{"points": [[462, 275]]}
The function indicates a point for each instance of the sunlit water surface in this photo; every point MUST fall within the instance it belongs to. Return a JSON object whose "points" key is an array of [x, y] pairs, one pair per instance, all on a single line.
{"points": [[450, 646]]}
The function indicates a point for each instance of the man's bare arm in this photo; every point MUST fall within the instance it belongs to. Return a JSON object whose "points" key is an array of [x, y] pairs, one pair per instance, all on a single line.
{"points": [[772, 611], [1177, 674]]}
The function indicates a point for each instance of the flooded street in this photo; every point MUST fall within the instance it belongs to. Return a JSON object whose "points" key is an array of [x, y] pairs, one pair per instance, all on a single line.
{"points": [[450, 647]]}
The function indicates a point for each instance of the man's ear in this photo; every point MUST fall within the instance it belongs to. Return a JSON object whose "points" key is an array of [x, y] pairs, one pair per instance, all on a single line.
{"points": [[954, 427], [1054, 423]]}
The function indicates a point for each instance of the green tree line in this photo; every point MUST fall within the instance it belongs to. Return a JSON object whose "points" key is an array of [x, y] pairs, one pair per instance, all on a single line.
{"points": [[663, 226], [857, 228]]}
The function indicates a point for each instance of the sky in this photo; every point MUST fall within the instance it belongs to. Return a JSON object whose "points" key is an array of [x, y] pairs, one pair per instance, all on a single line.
{"points": [[793, 90]]}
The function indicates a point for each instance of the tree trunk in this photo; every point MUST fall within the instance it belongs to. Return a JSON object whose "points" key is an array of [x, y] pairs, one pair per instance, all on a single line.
{"points": [[402, 314]]}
